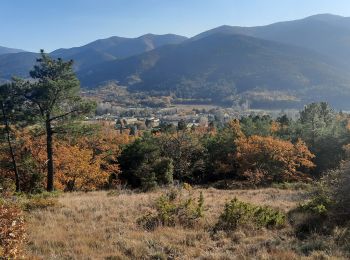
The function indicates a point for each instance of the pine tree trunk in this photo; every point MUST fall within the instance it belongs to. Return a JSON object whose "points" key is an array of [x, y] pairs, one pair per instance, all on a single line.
{"points": [[50, 166], [13, 158]]}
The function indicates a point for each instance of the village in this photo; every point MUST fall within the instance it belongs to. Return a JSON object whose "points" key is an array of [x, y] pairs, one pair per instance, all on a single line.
{"points": [[191, 116]]}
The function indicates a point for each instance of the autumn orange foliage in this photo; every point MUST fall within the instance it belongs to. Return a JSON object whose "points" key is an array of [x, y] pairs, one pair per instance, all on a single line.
{"points": [[83, 163], [267, 159]]}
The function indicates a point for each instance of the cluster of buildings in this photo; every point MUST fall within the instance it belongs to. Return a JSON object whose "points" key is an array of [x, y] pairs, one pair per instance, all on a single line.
{"points": [[152, 119]]}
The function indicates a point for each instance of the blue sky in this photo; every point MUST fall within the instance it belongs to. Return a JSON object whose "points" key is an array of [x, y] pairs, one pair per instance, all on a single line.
{"points": [[51, 24]]}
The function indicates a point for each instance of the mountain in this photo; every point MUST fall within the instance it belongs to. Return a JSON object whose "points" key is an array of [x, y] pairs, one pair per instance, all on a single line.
{"points": [[5, 50], [219, 65], [94, 53], [115, 48], [325, 33], [16, 64], [293, 63]]}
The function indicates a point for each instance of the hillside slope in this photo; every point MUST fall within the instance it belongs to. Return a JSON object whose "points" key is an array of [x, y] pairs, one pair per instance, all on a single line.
{"points": [[218, 66], [88, 55], [115, 48], [16, 64], [5, 50], [325, 33]]}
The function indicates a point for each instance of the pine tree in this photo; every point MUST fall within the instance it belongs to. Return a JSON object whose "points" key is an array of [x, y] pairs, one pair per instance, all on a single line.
{"points": [[54, 97], [9, 105]]}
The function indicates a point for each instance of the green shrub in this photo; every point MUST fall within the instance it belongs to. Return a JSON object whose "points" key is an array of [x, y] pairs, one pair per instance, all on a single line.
{"points": [[327, 206], [29, 202], [155, 174], [318, 205], [237, 213], [113, 193], [292, 186], [148, 179], [171, 209], [148, 221], [7, 185], [164, 170], [39, 203]]}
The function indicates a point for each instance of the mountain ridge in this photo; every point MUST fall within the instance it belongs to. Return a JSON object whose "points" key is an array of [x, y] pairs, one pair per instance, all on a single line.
{"points": [[91, 54], [324, 33], [6, 50], [308, 58]]}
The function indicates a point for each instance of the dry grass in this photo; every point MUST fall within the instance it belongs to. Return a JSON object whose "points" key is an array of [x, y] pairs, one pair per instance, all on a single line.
{"points": [[97, 226]]}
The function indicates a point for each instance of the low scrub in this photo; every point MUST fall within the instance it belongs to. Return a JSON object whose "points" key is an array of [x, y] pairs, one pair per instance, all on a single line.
{"points": [[238, 213], [30, 202], [328, 207], [292, 186], [40, 203], [174, 208]]}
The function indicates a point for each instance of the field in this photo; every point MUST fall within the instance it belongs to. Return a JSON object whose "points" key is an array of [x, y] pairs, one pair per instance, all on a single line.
{"points": [[102, 225]]}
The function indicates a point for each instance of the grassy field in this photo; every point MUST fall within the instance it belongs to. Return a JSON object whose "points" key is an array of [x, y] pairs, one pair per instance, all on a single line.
{"points": [[101, 225]]}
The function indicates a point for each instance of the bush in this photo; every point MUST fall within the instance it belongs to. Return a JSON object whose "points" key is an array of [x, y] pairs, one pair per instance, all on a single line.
{"points": [[7, 185], [148, 221], [39, 203], [292, 186], [340, 187], [12, 232], [328, 206], [29, 202], [171, 209], [237, 213], [156, 174], [164, 170]]}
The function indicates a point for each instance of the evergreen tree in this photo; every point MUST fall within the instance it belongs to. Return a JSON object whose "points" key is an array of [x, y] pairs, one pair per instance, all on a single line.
{"points": [[54, 98], [10, 114]]}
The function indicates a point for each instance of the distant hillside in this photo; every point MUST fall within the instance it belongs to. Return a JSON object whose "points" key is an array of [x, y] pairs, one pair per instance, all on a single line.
{"points": [[325, 33], [16, 64], [5, 50], [88, 55], [115, 48], [219, 65]]}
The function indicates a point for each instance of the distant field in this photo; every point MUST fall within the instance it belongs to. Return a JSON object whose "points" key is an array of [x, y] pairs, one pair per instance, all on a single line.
{"points": [[101, 226]]}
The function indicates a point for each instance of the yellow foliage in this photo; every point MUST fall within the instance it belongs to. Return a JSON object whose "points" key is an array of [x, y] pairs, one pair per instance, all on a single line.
{"points": [[235, 127], [275, 127], [77, 169]]}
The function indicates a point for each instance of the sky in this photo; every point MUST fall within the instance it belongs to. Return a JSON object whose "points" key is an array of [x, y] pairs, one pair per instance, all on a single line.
{"points": [[50, 24]]}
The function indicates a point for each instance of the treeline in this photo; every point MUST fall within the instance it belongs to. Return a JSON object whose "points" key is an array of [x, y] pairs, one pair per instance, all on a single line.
{"points": [[256, 149], [47, 144]]}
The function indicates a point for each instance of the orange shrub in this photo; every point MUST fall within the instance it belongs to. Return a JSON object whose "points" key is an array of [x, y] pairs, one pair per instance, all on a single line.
{"points": [[266, 159]]}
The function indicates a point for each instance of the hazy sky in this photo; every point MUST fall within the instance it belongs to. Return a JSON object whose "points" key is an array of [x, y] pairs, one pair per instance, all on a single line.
{"points": [[50, 24]]}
